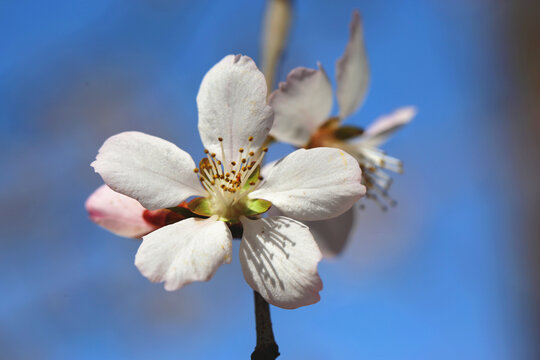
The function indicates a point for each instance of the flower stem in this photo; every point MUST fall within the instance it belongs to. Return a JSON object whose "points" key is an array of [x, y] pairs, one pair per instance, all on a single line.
{"points": [[266, 348]]}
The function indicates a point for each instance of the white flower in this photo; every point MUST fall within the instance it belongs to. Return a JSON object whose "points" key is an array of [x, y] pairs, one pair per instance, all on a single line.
{"points": [[302, 108], [279, 256]]}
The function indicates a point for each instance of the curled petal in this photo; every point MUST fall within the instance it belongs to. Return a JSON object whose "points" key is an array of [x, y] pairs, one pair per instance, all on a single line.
{"points": [[149, 169], [279, 260], [352, 70], [232, 106], [301, 105], [184, 252], [314, 184], [382, 128], [117, 213]]}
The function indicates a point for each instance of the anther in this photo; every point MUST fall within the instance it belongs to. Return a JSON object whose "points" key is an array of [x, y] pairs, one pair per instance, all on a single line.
{"points": [[243, 161], [250, 138], [233, 163], [206, 151], [220, 138], [195, 170], [265, 149], [241, 150], [251, 153]]}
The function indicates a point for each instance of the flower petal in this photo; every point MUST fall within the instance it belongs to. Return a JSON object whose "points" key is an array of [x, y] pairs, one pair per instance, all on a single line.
{"points": [[314, 184], [184, 252], [117, 213], [352, 70], [332, 235], [149, 169], [232, 106], [301, 105], [279, 260], [382, 128]]}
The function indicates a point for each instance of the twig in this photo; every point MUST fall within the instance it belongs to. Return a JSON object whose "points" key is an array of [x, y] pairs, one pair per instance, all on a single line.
{"points": [[266, 348]]}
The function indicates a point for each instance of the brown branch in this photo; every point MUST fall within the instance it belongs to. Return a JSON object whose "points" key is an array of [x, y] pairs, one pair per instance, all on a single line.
{"points": [[266, 348]]}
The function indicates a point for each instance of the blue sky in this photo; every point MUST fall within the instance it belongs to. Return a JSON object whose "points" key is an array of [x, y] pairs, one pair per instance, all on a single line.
{"points": [[438, 277]]}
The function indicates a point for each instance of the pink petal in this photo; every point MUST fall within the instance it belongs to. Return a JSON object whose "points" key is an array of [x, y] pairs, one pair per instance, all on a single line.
{"points": [[117, 213]]}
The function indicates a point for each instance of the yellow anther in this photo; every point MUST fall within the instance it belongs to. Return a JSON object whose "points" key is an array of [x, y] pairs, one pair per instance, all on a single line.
{"points": [[244, 161], [195, 170], [241, 150], [250, 138], [251, 153], [220, 138], [206, 151], [213, 154], [265, 149]]}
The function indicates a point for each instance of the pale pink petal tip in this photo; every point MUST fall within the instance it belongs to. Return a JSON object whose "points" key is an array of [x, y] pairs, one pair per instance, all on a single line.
{"points": [[117, 213]]}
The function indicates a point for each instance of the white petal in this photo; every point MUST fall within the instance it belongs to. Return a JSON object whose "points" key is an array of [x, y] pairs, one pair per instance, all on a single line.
{"points": [[184, 252], [279, 260], [314, 184], [301, 105], [332, 235], [117, 213], [149, 169], [352, 70], [266, 169], [232, 105], [382, 128]]}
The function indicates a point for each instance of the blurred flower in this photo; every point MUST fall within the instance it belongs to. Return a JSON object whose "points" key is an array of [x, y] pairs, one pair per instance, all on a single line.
{"points": [[302, 106], [279, 256]]}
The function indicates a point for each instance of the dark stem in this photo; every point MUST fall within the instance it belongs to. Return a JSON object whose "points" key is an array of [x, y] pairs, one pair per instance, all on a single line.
{"points": [[266, 348]]}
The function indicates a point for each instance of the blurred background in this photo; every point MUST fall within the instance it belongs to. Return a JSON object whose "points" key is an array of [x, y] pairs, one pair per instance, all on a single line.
{"points": [[451, 273]]}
